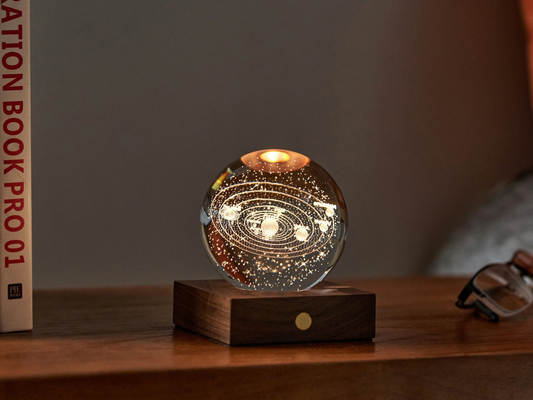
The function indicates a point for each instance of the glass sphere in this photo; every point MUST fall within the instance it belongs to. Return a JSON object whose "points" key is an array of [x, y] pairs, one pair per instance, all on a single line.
{"points": [[274, 220]]}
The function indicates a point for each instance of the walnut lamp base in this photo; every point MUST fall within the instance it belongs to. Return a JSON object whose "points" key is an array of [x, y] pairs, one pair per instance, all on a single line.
{"points": [[326, 312]]}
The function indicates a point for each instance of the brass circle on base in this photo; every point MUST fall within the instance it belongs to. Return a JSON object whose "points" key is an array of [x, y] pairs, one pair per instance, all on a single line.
{"points": [[303, 321]]}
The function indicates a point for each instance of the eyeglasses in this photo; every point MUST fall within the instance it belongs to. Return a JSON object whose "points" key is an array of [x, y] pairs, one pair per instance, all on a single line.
{"points": [[501, 290]]}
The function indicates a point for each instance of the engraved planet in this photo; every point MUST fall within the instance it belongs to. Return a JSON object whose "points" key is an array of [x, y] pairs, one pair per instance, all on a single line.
{"points": [[274, 220]]}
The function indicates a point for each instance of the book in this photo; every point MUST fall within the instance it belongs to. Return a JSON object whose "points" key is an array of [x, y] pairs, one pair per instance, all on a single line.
{"points": [[15, 179]]}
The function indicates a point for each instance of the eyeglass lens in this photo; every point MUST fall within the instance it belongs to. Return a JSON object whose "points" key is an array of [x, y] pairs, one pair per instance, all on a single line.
{"points": [[504, 288]]}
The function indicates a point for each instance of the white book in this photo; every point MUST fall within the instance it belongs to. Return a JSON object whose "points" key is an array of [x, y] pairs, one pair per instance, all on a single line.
{"points": [[15, 150]]}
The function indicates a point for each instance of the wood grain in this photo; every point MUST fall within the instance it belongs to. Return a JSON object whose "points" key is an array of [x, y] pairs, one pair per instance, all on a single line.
{"points": [[121, 344], [218, 310]]}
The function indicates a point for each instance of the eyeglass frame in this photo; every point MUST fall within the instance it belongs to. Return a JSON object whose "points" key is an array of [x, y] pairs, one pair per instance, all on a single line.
{"points": [[523, 263]]}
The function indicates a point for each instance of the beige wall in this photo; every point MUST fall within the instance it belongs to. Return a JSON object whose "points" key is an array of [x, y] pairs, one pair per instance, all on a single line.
{"points": [[416, 107]]}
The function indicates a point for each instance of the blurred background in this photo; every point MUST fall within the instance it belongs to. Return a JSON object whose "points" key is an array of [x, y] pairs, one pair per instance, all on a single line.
{"points": [[417, 108]]}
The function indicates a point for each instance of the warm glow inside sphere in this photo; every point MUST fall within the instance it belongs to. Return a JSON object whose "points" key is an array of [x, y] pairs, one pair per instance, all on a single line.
{"points": [[274, 220]]}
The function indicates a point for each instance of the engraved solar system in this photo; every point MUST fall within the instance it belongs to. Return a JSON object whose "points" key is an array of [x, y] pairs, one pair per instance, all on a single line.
{"points": [[273, 224], [275, 221]]}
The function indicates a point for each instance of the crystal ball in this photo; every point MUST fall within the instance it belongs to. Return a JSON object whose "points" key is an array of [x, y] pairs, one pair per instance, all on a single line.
{"points": [[274, 220]]}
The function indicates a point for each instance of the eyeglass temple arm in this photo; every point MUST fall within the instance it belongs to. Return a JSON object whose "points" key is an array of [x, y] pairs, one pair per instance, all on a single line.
{"points": [[463, 296], [487, 311], [524, 261]]}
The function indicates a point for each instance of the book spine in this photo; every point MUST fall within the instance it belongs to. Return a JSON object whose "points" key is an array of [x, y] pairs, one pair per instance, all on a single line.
{"points": [[15, 178]]}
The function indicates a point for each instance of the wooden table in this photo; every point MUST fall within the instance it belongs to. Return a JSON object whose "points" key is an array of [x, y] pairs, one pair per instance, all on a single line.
{"points": [[121, 344]]}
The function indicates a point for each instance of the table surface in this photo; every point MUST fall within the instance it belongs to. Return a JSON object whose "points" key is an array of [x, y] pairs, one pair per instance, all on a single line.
{"points": [[120, 343]]}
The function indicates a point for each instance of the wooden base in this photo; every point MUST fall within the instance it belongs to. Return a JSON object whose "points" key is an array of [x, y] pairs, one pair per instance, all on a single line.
{"points": [[326, 312]]}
